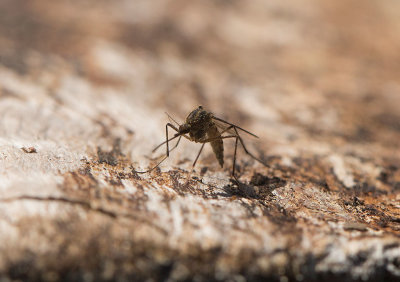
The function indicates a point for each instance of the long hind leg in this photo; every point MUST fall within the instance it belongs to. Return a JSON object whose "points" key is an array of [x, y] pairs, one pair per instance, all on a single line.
{"points": [[234, 158], [247, 151]]}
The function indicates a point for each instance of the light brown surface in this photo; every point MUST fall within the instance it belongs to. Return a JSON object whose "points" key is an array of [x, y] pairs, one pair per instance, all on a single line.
{"points": [[83, 90]]}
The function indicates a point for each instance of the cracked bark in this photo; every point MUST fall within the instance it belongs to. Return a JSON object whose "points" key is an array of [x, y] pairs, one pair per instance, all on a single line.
{"points": [[82, 101]]}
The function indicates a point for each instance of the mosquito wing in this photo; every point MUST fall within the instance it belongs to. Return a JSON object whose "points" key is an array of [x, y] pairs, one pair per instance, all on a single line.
{"points": [[223, 125]]}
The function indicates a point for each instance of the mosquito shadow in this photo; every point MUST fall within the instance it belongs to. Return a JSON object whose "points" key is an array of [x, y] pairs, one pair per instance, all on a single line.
{"points": [[260, 186], [240, 189]]}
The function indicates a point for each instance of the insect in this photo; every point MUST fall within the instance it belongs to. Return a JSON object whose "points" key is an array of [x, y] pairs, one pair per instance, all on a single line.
{"points": [[201, 126]]}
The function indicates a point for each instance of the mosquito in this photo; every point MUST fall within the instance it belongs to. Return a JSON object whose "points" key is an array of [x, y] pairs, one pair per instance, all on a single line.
{"points": [[201, 126]]}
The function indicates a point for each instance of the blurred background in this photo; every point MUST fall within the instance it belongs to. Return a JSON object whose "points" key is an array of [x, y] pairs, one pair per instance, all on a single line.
{"points": [[312, 70]]}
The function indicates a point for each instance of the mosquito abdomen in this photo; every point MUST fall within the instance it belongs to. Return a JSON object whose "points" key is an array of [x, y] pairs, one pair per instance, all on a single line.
{"points": [[217, 145]]}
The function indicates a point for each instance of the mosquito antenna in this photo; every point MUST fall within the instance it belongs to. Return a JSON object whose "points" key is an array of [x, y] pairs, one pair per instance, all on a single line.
{"points": [[172, 119]]}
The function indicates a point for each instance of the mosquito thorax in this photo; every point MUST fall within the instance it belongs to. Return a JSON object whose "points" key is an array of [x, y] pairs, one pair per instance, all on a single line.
{"points": [[198, 117]]}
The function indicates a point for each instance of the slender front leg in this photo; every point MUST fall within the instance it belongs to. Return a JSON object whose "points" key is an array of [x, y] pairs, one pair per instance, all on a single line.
{"points": [[176, 145], [166, 134], [167, 140]]}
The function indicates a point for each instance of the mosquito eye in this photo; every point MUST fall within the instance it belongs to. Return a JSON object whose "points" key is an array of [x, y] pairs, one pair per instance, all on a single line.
{"points": [[200, 107]]}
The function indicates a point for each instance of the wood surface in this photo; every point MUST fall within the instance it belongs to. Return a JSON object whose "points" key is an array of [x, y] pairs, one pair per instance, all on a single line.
{"points": [[83, 90]]}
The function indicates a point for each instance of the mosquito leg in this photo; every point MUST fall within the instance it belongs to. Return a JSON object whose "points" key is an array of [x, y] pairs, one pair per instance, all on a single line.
{"points": [[166, 134], [194, 163], [172, 138], [166, 141], [234, 157], [176, 135], [198, 155], [176, 145], [146, 171], [247, 152]]}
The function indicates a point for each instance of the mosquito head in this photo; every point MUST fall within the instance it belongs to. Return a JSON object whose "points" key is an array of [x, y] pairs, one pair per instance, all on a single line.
{"points": [[183, 129]]}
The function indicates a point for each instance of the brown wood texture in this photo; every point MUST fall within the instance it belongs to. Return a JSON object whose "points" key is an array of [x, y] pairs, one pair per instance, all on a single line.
{"points": [[83, 90]]}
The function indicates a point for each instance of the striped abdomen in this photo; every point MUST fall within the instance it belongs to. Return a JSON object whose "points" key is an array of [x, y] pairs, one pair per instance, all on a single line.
{"points": [[217, 145]]}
